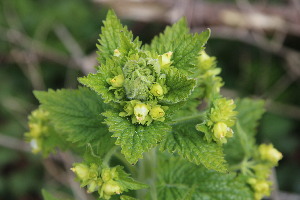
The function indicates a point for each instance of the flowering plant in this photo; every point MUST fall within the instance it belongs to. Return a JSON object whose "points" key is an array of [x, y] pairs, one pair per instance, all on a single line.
{"points": [[142, 107]]}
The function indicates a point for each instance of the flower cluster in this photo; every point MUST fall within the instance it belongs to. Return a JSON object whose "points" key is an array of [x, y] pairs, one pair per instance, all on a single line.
{"points": [[207, 76], [220, 117], [142, 81], [39, 130], [143, 113], [105, 180], [267, 157]]}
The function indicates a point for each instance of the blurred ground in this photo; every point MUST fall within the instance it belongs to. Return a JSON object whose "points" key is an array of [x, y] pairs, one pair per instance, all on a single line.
{"points": [[48, 44]]}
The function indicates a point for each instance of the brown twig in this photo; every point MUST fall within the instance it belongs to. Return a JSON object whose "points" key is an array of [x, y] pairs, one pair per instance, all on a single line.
{"points": [[13, 143]]}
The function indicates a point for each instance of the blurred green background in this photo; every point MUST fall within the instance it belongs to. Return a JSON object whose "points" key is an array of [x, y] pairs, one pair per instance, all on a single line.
{"points": [[48, 44]]}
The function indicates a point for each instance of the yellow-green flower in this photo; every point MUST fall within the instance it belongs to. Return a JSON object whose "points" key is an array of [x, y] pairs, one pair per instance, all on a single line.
{"points": [[81, 170], [157, 113], [141, 110], [269, 153], [117, 81], [117, 53], [261, 188], [157, 90], [165, 59]]}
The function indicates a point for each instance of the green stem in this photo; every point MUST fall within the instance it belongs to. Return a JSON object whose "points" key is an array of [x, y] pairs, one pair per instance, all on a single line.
{"points": [[147, 171], [188, 118], [108, 156], [127, 164]]}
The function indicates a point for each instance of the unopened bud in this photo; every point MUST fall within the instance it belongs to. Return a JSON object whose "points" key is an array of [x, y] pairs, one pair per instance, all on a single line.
{"points": [[157, 112], [269, 153], [81, 170], [157, 90], [165, 59], [117, 81], [117, 53], [111, 187], [220, 130]]}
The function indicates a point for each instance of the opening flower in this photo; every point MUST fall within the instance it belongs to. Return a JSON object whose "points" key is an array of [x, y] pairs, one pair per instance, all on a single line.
{"points": [[141, 111]]}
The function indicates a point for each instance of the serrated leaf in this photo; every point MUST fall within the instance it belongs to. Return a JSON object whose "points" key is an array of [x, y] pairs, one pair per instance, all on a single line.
{"points": [[135, 139], [185, 47], [110, 37], [179, 86], [127, 46], [180, 180], [48, 196], [127, 182], [189, 144], [77, 113], [249, 112], [171, 33], [241, 145], [98, 83]]}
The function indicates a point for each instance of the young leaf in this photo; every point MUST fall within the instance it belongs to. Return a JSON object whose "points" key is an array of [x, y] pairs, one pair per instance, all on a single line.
{"points": [[47, 195], [189, 144], [98, 81], [127, 182], [249, 112], [161, 43], [180, 86], [76, 113], [185, 47], [178, 179], [135, 139], [110, 37]]}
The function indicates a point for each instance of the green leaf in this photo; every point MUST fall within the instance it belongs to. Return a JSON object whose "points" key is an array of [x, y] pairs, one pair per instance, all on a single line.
{"points": [[162, 42], [179, 86], [189, 144], [127, 46], [127, 182], [98, 83], [125, 197], [47, 195], [110, 37], [77, 113], [135, 139], [249, 112], [185, 47], [243, 142], [180, 180]]}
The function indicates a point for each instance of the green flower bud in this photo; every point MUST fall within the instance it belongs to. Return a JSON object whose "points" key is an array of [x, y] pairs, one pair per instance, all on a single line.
{"points": [[35, 130], [117, 53], [117, 81], [165, 59], [203, 56], [111, 187], [141, 111], [157, 90], [220, 130], [81, 170], [93, 171], [269, 153], [93, 186], [223, 110], [261, 188], [106, 174], [157, 113]]}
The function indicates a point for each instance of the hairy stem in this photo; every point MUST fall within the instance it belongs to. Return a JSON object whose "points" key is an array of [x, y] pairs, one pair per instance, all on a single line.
{"points": [[188, 118]]}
